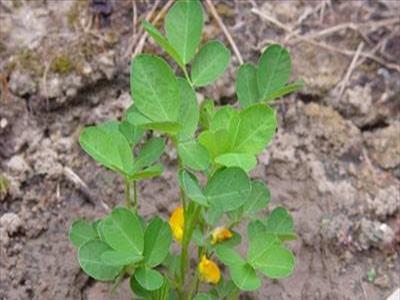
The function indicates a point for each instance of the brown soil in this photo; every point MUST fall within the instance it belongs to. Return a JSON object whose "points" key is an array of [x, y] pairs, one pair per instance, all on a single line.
{"points": [[335, 162]]}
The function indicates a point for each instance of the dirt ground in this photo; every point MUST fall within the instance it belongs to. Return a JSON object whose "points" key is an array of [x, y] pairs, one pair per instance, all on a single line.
{"points": [[335, 162]]}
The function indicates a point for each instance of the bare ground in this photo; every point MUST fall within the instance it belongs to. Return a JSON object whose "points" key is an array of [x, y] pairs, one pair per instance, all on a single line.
{"points": [[335, 162]]}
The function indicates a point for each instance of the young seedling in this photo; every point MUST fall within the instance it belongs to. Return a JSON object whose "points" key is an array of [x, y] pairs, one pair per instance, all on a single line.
{"points": [[218, 144]]}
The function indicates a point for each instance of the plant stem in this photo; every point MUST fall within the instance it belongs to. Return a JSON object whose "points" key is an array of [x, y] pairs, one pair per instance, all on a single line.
{"points": [[127, 193], [135, 195]]}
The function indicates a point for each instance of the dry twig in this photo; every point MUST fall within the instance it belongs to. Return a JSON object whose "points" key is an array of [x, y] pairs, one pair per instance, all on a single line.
{"points": [[344, 82], [160, 14], [225, 30], [312, 41], [82, 186]]}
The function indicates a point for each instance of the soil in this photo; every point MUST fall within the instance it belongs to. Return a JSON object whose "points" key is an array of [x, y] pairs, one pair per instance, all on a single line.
{"points": [[335, 161]]}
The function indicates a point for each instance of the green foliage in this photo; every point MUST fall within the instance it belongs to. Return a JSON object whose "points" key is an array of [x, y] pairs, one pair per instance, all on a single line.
{"points": [[211, 61], [216, 148], [268, 80]]}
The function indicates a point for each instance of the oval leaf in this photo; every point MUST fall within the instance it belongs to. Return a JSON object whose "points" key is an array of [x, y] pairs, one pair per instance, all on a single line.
{"points": [[183, 24], [255, 129], [89, 257], [157, 240], [247, 85], [120, 258], [191, 187], [228, 189], [189, 111], [149, 279], [258, 199], [276, 262], [228, 256], [154, 88], [122, 231], [274, 70], [244, 161], [194, 155], [244, 277], [108, 147], [152, 171], [150, 152], [81, 232], [280, 223], [209, 64], [163, 42]]}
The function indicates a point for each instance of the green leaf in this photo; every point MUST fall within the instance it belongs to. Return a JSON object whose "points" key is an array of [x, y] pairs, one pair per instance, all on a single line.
{"points": [[170, 128], [245, 277], [123, 232], [223, 118], [163, 42], [157, 240], [132, 133], [209, 64], [258, 199], [109, 148], [89, 257], [276, 262], [259, 241], [228, 189], [152, 171], [207, 111], [149, 279], [81, 232], [189, 111], [287, 89], [216, 142], [280, 223], [255, 129], [247, 85], [120, 258], [191, 187], [244, 161], [214, 214], [150, 152], [194, 155], [154, 88], [274, 70], [135, 117], [183, 24], [138, 290], [229, 256]]}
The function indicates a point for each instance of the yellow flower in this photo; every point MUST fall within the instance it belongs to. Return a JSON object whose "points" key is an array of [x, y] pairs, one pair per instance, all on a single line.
{"points": [[209, 271], [220, 234], [176, 222]]}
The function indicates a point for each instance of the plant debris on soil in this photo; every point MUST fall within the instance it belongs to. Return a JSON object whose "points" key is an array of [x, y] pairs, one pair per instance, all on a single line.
{"points": [[335, 161]]}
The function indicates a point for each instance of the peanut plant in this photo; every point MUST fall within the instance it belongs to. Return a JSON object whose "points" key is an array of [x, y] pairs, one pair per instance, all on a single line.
{"points": [[218, 145]]}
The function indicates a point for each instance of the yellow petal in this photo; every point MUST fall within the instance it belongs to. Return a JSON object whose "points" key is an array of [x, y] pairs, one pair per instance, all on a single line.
{"points": [[209, 271], [220, 234], [176, 222]]}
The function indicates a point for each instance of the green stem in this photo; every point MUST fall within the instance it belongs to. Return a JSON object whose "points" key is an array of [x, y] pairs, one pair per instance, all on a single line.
{"points": [[234, 295], [127, 193], [135, 195]]}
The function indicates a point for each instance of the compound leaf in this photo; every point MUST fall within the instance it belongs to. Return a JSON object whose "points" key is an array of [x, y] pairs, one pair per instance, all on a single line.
{"points": [[194, 155], [157, 240], [244, 161], [274, 70], [183, 24], [154, 88], [89, 257], [247, 85], [228, 189], [122, 231], [81, 232], [209, 64], [189, 111], [150, 152], [149, 279], [280, 223], [109, 148]]}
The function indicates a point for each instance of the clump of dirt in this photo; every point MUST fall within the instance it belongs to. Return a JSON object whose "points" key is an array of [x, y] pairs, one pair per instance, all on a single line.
{"points": [[334, 162]]}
